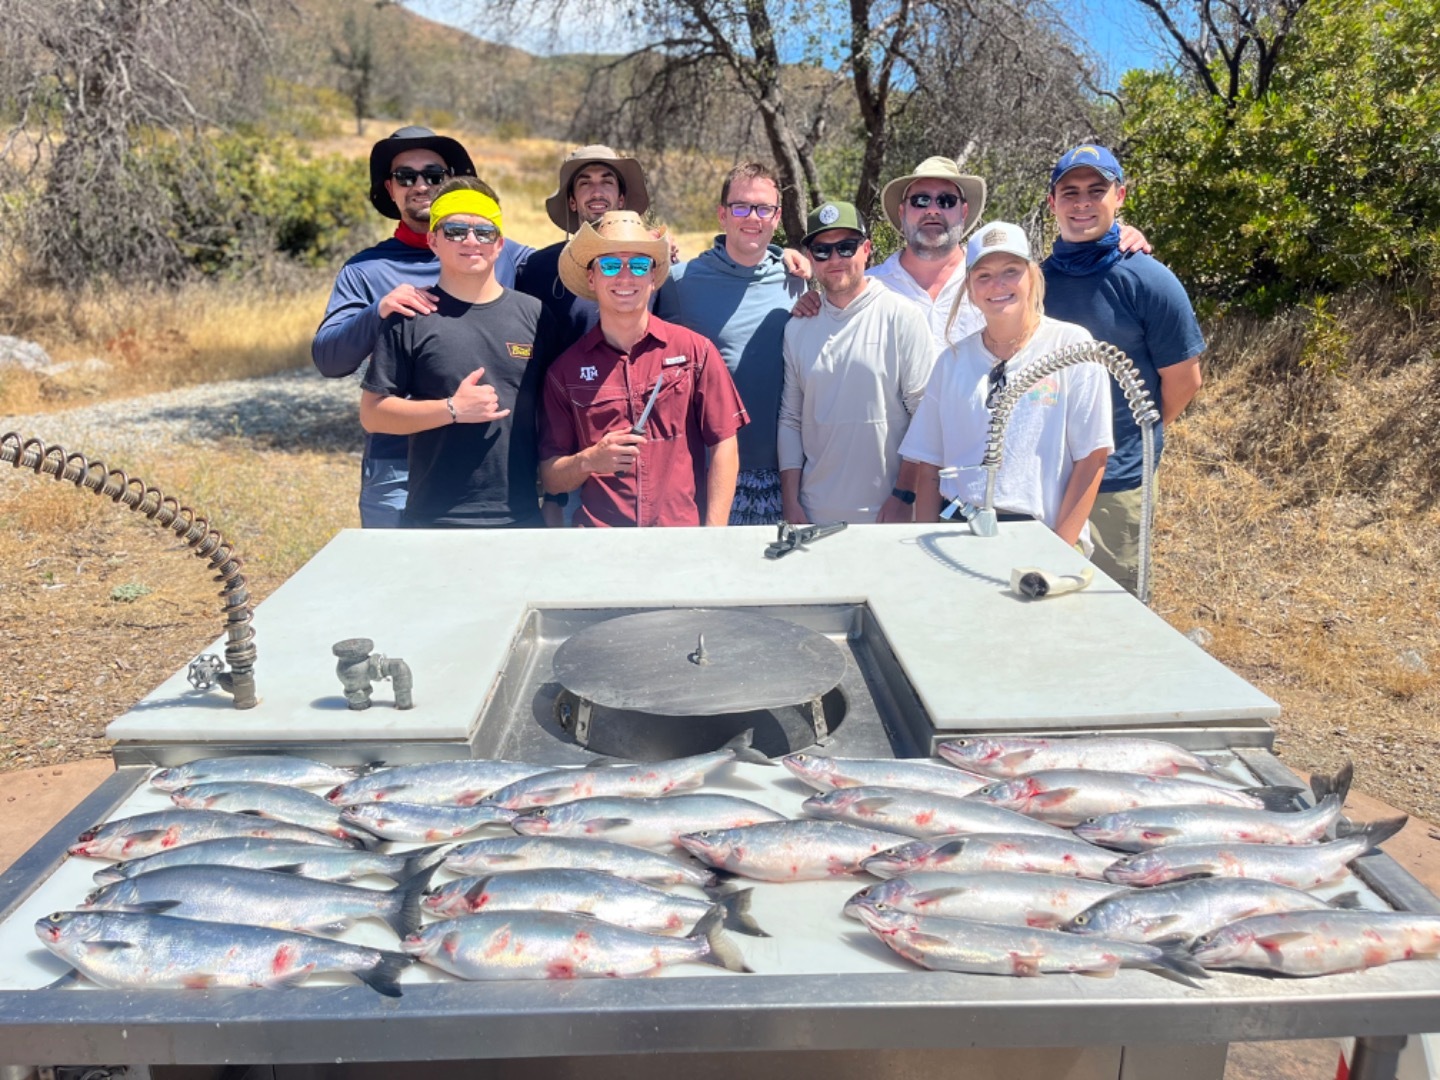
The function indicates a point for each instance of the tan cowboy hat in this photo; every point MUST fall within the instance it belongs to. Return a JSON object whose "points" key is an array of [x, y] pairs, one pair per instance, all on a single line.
{"points": [[972, 190], [632, 184], [617, 231]]}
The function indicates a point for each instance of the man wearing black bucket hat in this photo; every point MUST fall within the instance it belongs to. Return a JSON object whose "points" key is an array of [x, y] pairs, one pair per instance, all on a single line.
{"points": [[396, 276]]}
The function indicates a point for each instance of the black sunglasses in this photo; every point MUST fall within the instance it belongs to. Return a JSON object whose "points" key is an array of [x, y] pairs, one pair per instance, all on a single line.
{"points": [[456, 232], [946, 201], [433, 175], [996, 381], [846, 249]]}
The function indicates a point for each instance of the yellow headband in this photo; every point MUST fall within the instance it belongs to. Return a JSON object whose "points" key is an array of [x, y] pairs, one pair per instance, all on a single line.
{"points": [[465, 201]]}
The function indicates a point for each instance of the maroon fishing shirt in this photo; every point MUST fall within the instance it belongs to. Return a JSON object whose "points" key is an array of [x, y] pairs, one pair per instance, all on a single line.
{"points": [[593, 388]]}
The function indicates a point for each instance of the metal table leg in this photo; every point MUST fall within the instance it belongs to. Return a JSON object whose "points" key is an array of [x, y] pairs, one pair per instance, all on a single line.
{"points": [[1376, 1057]]}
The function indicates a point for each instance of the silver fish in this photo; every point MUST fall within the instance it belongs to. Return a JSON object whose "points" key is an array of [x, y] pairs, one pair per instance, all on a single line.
{"points": [[1014, 756], [233, 894], [1042, 900], [421, 822], [920, 813], [995, 851], [827, 774], [286, 856], [1300, 866], [1161, 826], [554, 945], [461, 782], [124, 951], [645, 780], [789, 850], [505, 853], [275, 801], [145, 834], [1307, 943], [642, 822], [1070, 796], [982, 948], [587, 892], [1189, 909], [252, 768]]}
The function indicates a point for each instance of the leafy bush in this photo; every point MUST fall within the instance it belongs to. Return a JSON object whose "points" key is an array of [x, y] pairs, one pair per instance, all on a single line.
{"points": [[1331, 178]]}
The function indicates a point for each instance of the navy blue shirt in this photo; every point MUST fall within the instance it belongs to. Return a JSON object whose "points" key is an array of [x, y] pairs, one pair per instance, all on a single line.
{"points": [[1140, 307], [351, 325], [572, 316]]}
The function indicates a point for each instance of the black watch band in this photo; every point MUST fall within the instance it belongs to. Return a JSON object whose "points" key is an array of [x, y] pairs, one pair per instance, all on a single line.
{"points": [[558, 500], [907, 497]]}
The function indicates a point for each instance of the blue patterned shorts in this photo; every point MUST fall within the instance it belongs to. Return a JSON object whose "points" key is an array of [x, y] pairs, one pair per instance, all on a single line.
{"points": [[757, 498]]}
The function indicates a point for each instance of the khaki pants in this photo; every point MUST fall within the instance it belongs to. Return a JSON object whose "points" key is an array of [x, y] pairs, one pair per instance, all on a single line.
{"points": [[1115, 530]]}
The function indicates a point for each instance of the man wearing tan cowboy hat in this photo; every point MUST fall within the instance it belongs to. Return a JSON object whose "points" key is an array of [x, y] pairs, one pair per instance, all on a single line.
{"points": [[396, 276], [854, 375], [632, 410], [593, 181], [462, 382]]}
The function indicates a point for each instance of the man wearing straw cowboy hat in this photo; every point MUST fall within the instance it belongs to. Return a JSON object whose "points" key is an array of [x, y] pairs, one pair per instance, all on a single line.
{"points": [[631, 412], [593, 181]]}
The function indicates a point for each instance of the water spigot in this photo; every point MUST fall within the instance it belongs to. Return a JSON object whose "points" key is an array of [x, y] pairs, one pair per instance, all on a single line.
{"points": [[358, 668]]}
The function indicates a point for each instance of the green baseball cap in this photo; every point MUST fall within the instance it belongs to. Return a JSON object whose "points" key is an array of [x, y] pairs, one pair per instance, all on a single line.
{"points": [[833, 215]]}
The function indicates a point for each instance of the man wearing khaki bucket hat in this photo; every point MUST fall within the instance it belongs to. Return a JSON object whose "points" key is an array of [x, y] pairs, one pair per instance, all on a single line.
{"points": [[632, 411]]}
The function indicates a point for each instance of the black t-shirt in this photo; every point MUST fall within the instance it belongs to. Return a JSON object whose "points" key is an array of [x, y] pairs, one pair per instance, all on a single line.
{"points": [[574, 316], [470, 474]]}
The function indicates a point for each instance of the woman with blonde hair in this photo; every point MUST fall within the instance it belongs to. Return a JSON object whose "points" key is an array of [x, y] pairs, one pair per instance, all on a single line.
{"points": [[1060, 432]]}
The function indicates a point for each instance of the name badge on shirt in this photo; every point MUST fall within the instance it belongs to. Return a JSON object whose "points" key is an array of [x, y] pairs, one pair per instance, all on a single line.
{"points": [[671, 361]]}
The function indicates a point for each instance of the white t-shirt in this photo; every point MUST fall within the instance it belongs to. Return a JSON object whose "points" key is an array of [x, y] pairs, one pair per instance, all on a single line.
{"points": [[968, 319], [1062, 418]]}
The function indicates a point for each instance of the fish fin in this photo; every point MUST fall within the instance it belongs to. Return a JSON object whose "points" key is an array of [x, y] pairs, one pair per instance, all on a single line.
{"points": [[104, 946], [404, 918], [148, 907], [1160, 922], [361, 837], [290, 978], [384, 977], [954, 847], [421, 859], [737, 913], [1015, 758], [608, 823], [1052, 798], [743, 749], [1336, 783], [874, 802], [1275, 939], [477, 890], [1175, 962], [1104, 973], [1346, 901], [1162, 832], [1275, 797], [926, 896], [723, 952], [70, 978], [288, 868], [1376, 832]]}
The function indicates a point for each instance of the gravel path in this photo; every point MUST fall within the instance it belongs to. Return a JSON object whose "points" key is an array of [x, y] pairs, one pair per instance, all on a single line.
{"points": [[291, 410]]}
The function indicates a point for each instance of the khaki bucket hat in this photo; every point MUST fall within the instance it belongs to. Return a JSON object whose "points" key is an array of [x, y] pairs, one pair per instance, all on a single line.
{"points": [[632, 183], [972, 190], [617, 231]]}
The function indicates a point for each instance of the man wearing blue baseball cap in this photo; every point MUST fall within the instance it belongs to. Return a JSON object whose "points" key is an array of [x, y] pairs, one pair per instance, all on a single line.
{"points": [[1134, 302]]}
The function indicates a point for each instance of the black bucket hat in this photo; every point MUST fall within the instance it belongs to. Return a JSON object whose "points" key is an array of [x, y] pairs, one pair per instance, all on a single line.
{"points": [[411, 138]]}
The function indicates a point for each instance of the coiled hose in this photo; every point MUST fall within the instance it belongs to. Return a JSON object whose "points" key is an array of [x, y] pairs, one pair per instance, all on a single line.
{"points": [[166, 512], [1124, 372]]}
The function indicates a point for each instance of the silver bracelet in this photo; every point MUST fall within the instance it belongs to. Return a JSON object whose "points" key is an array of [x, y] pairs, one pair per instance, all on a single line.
{"points": [[450, 404]]}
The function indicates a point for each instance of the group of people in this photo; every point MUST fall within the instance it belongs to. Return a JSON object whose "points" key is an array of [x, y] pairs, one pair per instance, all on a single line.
{"points": [[723, 390]]}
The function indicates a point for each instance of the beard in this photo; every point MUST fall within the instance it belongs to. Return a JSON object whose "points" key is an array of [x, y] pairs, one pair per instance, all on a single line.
{"points": [[932, 245]]}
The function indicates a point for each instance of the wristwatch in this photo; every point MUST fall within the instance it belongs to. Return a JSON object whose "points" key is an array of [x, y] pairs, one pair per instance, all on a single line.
{"points": [[907, 497]]}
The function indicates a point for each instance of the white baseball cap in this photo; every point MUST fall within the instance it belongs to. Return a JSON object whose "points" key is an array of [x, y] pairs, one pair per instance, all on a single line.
{"points": [[997, 236]]}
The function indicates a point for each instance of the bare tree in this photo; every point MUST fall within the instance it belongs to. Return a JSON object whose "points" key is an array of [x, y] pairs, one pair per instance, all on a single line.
{"points": [[108, 125], [355, 56], [1229, 46]]}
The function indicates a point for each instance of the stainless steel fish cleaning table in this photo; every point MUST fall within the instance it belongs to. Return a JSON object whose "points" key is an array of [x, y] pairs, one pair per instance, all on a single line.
{"points": [[934, 643]]}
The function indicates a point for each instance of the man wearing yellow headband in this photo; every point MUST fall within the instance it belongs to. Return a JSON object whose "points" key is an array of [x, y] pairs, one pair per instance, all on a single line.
{"points": [[462, 381]]}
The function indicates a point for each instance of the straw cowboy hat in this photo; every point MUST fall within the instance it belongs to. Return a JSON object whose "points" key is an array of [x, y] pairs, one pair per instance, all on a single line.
{"points": [[617, 231], [632, 184], [972, 190]]}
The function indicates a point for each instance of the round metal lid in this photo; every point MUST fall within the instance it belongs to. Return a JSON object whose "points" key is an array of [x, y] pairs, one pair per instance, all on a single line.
{"points": [[654, 662]]}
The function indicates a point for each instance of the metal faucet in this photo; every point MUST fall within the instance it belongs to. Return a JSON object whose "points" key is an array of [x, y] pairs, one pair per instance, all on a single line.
{"points": [[983, 522], [358, 666]]}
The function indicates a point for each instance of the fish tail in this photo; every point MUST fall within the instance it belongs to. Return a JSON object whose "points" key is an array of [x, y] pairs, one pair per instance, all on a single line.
{"points": [[1175, 963], [424, 858], [1275, 797], [1377, 832], [1336, 783], [383, 975], [743, 749], [404, 917], [1347, 901], [737, 913], [722, 952]]}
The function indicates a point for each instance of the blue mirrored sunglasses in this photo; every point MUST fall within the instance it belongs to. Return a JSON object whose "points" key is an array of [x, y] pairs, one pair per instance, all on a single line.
{"points": [[611, 265]]}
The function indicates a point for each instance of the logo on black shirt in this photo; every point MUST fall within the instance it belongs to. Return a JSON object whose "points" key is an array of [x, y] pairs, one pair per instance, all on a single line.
{"points": [[520, 352]]}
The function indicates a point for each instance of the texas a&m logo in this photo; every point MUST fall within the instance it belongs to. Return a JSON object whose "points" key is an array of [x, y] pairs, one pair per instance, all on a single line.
{"points": [[589, 372]]}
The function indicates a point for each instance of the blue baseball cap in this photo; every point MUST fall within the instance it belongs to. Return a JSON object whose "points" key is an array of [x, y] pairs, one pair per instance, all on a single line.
{"points": [[1089, 156]]}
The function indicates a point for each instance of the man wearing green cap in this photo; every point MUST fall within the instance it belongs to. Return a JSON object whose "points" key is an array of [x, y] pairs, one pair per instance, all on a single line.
{"points": [[854, 375]]}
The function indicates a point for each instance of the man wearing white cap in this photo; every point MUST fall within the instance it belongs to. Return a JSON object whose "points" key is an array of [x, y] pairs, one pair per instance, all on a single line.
{"points": [[632, 411]]}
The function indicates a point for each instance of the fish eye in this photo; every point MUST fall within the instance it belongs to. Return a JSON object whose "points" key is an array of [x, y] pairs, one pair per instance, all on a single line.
{"points": [[961, 742], [1081, 920], [59, 916], [798, 757], [881, 906], [543, 811]]}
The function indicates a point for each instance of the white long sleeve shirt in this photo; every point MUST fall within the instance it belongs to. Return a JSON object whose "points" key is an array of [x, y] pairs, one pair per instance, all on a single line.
{"points": [[853, 378], [937, 309]]}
